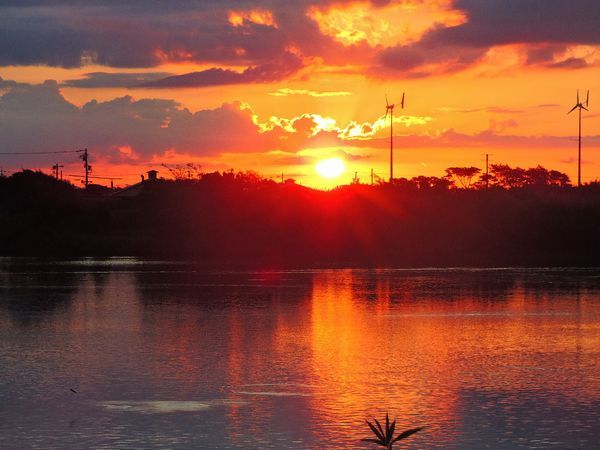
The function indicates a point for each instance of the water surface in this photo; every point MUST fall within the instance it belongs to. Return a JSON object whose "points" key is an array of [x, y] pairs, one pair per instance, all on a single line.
{"points": [[172, 355]]}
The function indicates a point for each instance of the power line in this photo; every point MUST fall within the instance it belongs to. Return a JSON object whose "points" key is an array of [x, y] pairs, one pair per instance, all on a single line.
{"points": [[100, 178], [40, 153]]}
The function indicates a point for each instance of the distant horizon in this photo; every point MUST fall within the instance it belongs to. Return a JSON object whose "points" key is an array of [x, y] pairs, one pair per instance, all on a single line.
{"points": [[183, 173]]}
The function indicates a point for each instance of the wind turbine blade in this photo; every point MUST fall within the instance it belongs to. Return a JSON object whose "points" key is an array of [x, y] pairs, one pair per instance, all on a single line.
{"points": [[574, 108], [587, 99], [402, 103], [386, 101], [577, 95], [583, 107]]}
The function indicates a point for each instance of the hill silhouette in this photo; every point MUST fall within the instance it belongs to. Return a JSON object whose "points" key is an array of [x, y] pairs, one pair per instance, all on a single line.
{"points": [[531, 218]]}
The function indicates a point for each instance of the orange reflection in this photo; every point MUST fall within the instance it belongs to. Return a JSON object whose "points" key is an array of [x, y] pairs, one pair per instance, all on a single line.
{"points": [[381, 344], [367, 362]]}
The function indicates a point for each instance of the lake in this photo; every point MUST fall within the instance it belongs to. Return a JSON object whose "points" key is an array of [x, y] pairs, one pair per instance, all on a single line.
{"points": [[170, 354]]}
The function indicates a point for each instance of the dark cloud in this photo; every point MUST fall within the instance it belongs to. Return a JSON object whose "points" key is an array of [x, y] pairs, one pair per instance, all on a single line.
{"points": [[289, 65], [553, 24], [544, 54], [34, 118], [5, 84], [39, 118], [569, 63], [113, 80], [428, 57], [134, 33], [493, 22]]}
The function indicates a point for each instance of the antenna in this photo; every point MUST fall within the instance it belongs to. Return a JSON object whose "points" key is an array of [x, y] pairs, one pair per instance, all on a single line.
{"points": [[579, 105], [389, 109]]}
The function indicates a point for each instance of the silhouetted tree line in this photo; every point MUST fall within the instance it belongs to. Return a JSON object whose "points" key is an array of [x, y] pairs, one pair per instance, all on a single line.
{"points": [[524, 217], [499, 176]]}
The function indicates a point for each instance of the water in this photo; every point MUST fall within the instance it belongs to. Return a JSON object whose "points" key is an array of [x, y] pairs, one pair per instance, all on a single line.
{"points": [[170, 355]]}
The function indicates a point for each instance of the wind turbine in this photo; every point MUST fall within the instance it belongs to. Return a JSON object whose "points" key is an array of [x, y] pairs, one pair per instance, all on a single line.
{"points": [[579, 105], [389, 109]]}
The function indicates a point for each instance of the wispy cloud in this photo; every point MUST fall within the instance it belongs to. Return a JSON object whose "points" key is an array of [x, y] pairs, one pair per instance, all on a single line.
{"points": [[284, 92], [113, 80]]}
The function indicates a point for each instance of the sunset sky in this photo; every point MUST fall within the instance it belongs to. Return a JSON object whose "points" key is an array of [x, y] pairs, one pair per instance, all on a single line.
{"points": [[278, 86]]}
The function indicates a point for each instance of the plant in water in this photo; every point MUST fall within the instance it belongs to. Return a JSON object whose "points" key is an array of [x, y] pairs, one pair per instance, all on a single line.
{"points": [[385, 438]]}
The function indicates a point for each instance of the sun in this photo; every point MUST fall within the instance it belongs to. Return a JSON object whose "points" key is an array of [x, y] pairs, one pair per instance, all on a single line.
{"points": [[330, 168]]}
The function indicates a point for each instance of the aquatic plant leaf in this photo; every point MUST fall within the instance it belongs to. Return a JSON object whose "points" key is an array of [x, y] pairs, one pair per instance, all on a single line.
{"points": [[407, 433], [375, 430], [381, 433], [375, 441], [392, 428], [387, 424]]}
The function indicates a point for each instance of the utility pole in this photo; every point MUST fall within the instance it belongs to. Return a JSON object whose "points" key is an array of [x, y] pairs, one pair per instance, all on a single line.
{"points": [[86, 166], [56, 169], [487, 172], [1, 172], [371, 176], [281, 177]]}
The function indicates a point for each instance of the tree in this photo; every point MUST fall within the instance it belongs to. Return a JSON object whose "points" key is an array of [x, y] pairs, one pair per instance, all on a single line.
{"points": [[423, 182], [462, 176], [540, 176], [507, 177]]}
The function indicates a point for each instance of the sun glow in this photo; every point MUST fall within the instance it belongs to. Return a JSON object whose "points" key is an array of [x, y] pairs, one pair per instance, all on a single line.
{"points": [[330, 168]]}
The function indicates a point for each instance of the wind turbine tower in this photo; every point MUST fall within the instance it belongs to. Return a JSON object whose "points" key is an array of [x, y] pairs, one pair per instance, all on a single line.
{"points": [[579, 105], [389, 110]]}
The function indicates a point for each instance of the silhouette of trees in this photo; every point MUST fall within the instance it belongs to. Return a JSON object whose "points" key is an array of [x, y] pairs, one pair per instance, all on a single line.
{"points": [[504, 176], [531, 216], [508, 177], [436, 183], [539, 176], [462, 176]]}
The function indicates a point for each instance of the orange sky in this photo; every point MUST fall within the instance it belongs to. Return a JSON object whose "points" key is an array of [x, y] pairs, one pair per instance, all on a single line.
{"points": [[279, 88]]}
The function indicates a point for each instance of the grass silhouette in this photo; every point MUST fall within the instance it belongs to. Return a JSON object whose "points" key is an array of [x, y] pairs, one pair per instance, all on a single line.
{"points": [[385, 438]]}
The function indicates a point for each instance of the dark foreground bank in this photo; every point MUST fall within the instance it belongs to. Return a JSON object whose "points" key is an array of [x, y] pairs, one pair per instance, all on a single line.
{"points": [[242, 220]]}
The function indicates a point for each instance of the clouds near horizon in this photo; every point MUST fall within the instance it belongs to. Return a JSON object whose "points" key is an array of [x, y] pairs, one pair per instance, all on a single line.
{"points": [[35, 115]]}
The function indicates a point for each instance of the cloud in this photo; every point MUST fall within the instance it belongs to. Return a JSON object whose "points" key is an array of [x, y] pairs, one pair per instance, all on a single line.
{"points": [[284, 92], [35, 116], [548, 26], [489, 109], [428, 57], [265, 73], [126, 130], [5, 84], [499, 22], [131, 33], [569, 63], [439, 36], [114, 80]]}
